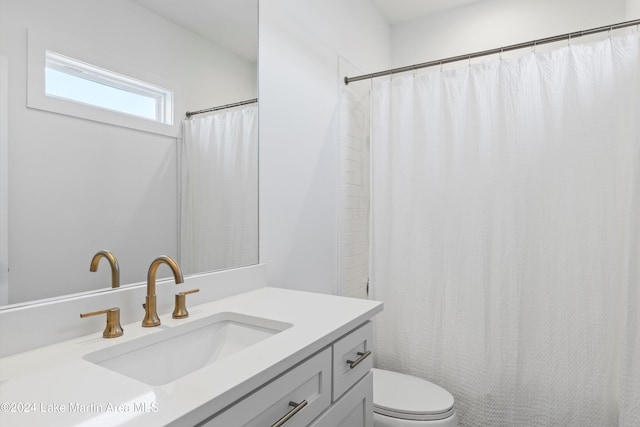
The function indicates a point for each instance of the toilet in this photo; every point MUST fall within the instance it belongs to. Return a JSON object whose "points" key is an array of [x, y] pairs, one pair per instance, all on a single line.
{"points": [[401, 400]]}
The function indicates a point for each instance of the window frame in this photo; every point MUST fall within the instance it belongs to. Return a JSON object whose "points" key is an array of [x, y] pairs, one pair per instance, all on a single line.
{"points": [[99, 67], [163, 98]]}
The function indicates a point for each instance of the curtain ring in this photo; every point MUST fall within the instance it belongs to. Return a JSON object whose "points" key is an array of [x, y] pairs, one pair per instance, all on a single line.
{"points": [[441, 66], [533, 48], [501, 52], [469, 61], [610, 32]]}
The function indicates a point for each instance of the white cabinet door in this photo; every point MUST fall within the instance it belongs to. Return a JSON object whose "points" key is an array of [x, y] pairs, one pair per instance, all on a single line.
{"points": [[308, 382], [352, 359], [354, 409]]}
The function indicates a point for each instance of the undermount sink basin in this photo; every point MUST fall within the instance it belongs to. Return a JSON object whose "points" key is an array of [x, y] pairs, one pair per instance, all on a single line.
{"points": [[168, 355]]}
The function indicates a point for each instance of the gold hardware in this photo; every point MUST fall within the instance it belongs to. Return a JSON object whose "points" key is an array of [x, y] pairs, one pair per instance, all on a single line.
{"points": [[113, 328], [180, 309], [297, 407], [353, 364], [113, 262], [151, 315]]}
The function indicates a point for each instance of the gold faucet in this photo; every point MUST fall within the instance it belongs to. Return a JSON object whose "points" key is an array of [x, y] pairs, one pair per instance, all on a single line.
{"points": [[113, 328], [151, 314], [115, 268], [180, 308]]}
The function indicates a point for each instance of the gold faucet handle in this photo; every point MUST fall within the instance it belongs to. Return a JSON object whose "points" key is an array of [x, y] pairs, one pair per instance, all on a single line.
{"points": [[113, 328], [180, 310]]}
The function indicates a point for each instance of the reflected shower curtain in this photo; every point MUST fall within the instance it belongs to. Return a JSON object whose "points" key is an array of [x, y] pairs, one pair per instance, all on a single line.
{"points": [[505, 235], [219, 191]]}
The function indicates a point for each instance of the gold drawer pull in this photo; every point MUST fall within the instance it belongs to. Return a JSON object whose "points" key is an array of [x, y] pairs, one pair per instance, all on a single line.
{"points": [[297, 407], [354, 363]]}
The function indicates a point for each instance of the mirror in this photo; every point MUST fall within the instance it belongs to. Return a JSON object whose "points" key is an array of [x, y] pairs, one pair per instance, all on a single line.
{"points": [[78, 185]]}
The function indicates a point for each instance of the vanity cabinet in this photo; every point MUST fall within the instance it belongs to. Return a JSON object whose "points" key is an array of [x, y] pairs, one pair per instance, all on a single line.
{"points": [[332, 388], [310, 366]]}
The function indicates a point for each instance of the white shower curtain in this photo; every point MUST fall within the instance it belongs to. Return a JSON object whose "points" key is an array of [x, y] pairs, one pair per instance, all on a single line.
{"points": [[505, 234], [219, 191]]}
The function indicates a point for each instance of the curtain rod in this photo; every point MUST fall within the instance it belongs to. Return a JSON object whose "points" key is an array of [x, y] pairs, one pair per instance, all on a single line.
{"points": [[469, 56], [222, 107]]}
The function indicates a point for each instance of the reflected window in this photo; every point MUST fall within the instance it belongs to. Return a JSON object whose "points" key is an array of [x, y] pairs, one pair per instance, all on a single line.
{"points": [[84, 83]]}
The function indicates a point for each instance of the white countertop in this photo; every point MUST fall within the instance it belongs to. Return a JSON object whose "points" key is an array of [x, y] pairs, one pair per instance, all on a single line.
{"points": [[55, 386]]}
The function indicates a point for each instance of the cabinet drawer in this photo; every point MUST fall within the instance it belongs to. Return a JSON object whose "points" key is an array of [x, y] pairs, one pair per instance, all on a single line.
{"points": [[309, 381], [352, 359]]}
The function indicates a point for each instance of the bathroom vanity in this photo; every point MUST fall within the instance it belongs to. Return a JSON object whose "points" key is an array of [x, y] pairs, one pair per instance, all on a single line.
{"points": [[266, 357]]}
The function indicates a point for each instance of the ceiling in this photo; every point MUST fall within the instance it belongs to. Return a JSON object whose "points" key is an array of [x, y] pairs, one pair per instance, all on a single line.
{"points": [[232, 24], [397, 11]]}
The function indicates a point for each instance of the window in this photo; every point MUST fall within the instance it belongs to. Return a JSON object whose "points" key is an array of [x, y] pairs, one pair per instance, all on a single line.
{"points": [[84, 83], [101, 84]]}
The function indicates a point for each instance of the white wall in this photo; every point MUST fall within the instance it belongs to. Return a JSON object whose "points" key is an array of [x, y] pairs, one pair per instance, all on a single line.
{"points": [[76, 186], [4, 176], [490, 24], [299, 90], [633, 9]]}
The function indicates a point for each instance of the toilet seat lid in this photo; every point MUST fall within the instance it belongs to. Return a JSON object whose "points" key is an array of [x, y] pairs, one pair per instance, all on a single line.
{"points": [[408, 397]]}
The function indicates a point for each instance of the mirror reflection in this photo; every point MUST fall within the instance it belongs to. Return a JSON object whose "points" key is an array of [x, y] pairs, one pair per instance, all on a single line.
{"points": [[83, 179]]}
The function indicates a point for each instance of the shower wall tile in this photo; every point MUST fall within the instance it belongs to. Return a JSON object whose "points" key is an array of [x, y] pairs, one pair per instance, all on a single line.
{"points": [[353, 137]]}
